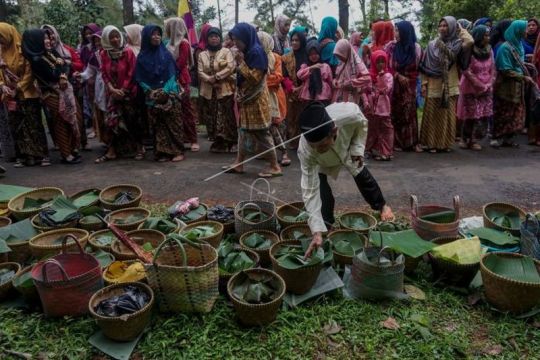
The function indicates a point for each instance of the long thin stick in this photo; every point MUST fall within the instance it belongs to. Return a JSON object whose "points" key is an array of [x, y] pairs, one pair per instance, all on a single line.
{"points": [[264, 152]]}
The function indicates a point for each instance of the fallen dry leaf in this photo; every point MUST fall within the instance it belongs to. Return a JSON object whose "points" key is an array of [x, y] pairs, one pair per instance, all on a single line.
{"points": [[414, 292], [332, 328], [493, 350], [390, 324]]}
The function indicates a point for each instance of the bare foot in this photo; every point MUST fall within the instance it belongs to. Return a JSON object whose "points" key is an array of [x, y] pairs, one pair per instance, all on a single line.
{"points": [[178, 158]]}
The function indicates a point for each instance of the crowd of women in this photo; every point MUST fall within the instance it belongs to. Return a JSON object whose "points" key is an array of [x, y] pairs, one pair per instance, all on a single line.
{"points": [[133, 87]]}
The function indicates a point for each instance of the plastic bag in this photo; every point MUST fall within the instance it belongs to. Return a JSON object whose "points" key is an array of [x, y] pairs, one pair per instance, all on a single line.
{"points": [[221, 213], [134, 299], [180, 208]]}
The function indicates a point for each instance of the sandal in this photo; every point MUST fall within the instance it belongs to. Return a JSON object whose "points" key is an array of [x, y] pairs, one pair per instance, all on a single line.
{"points": [[139, 156], [178, 158], [267, 175], [476, 147], [195, 147], [19, 164], [432, 151], [163, 159], [45, 162], [102, 159], [231, 170], [285, 162], [73, 161], [463, 145], [418, 149]]}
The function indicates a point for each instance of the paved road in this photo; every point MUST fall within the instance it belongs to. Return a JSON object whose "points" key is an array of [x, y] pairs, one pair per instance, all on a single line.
{"points": [[510, 175]]}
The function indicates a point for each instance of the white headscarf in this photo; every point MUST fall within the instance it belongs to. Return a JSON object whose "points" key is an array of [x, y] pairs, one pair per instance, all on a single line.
{"points": [[59, 47], [106, 43], [268, 45], [176, 31], [133, 32]]}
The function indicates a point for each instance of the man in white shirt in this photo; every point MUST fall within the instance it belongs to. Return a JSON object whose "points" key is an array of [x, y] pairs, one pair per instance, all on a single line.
{"points": [[333, 138]]}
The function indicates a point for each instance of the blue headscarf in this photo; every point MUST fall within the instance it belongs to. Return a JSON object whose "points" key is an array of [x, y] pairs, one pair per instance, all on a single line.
{"points": [[482, 21], [513, 35], [328, 31], [155, 64], [405, 50], [254, 54]]}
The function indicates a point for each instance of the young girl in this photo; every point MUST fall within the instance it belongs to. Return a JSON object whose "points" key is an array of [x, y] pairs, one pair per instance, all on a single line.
{"points": [[380, 140], [316, 76]]}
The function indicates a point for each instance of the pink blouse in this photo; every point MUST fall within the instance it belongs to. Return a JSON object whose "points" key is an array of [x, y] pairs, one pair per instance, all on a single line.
{"points": [[479, 77], [381, 96], [326, 76]]}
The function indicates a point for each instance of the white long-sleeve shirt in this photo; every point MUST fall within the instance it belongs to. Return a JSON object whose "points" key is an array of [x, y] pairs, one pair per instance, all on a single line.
{"points": [[351, 136]]}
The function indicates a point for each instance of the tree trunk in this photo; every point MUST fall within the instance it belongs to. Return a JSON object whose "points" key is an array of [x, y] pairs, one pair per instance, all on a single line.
{"points": [[129, 16], [364, 15], [236, 10], [271, 11], [386, 10], [3, 11], [344, 15], [219, 15]]}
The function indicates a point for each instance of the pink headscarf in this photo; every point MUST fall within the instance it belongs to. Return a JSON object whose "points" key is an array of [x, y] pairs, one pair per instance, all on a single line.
{"points": [[373, 67], [352, 66], [355, 40]]}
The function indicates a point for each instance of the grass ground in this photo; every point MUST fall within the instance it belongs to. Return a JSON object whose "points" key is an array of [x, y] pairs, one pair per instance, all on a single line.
{"points": [[443, 326]]}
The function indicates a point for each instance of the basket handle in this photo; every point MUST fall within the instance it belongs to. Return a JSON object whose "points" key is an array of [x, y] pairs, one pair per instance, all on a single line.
{"points": [[74, 238], [532, 218], [253, 187], [171, 240], [414, 205], [182, 225], [249, 204], [391, 252], [457, 206], [53, 262]]}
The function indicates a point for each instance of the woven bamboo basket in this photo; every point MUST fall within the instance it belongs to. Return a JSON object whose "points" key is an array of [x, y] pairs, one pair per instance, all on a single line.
{"points": [[122, 252], [47, 243], [292, 209], [257, 314], [83, 192], [372, 222], [97, 246], [298, 281], [106, 196], [228, 227], [124, 214], [264, 254], [225, 277], [30, 294], [341, 259], [109, 281], [141, 227], [429, 230], [200, 218], [213, 240], [506, 294], [450, 272], [5, 221], [5, 289], [15, 205], [503, 207], [126, 327], [287, 233], [44, 228], [185, 278], [20, 252]]}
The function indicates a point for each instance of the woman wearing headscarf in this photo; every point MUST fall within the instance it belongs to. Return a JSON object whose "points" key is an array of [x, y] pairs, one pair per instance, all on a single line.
{"points": [[496, 38], [176, 31], [404, 58], [292, 62], [383, 33], [156, 74], [475, 103], [201, 46], [123, 135], [51, 73], [533, 30], [356, 41], [484, 21], [509, 109], [352, 82], [465, 24], [217, 84], [73, 60], [440, 84], [316, 77], [282, 26], [253, 101], [21, 98], [133, 37], [327, 41], [278, 101]]}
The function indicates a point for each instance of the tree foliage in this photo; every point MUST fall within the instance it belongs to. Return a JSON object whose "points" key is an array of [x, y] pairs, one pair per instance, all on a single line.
{"points": [[267, 11]]}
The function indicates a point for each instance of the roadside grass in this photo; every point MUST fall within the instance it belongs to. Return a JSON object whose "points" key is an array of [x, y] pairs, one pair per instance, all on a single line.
{"points": [[444, 326]]}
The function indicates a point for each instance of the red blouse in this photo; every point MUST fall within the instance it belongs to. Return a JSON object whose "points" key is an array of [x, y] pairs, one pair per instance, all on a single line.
{"points": [[76, 62], [120, 72]]}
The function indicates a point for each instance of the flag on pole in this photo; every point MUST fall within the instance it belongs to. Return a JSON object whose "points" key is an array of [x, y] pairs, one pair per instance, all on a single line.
{"points": [[184, 11]]}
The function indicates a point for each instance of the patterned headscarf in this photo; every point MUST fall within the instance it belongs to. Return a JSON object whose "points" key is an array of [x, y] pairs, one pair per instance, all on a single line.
{"points": [[11, 54], [59, 46]]}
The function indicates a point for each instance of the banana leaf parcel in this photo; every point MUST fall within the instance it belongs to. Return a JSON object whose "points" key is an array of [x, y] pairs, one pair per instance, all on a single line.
{"points": [[405, 242], [61, 211], [520, 268], [464, 251]]}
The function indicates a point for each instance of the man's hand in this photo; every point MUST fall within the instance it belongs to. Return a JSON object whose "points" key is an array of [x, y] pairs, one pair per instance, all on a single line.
{"points": [[316, 242], [387, 214], [359, 160]]}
